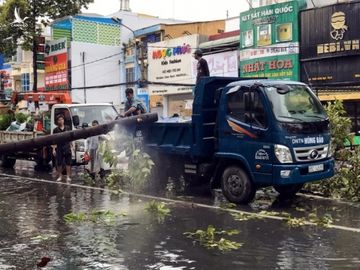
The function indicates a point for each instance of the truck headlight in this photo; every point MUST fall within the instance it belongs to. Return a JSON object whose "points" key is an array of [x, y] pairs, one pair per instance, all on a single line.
{"points": [[330, 153], [283, 154], [80, 146]]}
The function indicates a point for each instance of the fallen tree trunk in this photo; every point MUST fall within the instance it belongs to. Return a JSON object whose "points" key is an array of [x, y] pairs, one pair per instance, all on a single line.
{"points": [[83, 133]]}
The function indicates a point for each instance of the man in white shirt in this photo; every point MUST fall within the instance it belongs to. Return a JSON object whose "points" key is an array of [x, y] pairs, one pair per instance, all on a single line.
{"points": [[92, 147]]}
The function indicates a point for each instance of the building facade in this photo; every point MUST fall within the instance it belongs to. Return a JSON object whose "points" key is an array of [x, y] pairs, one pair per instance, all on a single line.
{"points": [[330, 54], [94, 57]]}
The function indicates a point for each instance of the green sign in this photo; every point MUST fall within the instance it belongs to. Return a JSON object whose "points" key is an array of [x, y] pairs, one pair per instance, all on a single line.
{"points": [[269, 25], [40, 66], [269, 36], [282, 67], [40, 57]]}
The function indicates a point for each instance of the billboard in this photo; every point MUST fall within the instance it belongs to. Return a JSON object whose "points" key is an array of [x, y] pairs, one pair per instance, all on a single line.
{"points": [[223, 64], [269, 38], [171, 61], [330, 44], [56, 65]]}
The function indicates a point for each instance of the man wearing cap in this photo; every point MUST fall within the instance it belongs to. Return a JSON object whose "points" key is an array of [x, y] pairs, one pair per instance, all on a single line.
{"points": [[202, 66]]}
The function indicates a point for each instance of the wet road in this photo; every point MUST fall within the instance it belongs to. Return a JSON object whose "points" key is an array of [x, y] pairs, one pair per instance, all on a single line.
{"points": [[30, 208]]}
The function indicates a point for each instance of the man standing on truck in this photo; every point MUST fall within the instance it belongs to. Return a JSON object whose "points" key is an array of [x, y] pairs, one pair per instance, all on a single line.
{"points": [[133, 106], [202, 66], [62, 151]]}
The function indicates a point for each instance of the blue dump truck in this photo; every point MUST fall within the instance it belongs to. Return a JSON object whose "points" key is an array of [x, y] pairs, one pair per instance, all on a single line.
{"points": [[246, 134]]}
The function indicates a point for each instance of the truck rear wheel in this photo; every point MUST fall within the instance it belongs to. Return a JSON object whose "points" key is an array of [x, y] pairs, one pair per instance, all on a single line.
{"points": [[7, 162], [288, 191], [237, 186]]}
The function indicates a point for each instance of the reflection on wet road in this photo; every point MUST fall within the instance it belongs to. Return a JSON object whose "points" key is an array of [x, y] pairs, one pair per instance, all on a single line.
{"points": [[32, 227]]}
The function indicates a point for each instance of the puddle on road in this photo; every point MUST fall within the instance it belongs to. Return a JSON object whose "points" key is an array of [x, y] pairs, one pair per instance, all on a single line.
{"points": [[32, 227]]}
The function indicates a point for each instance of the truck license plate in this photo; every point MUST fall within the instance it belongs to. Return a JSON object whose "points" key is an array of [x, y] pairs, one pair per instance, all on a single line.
{"points": [[316, 168]]}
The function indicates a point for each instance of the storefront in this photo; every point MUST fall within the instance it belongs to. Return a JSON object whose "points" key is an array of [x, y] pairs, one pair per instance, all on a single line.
{"points": [[269, 42], [330, 54]]}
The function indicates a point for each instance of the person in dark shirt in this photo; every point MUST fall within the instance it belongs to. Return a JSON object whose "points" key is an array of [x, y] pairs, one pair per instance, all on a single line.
{"points": [[62, 151], [202, 66], [133, 106]]}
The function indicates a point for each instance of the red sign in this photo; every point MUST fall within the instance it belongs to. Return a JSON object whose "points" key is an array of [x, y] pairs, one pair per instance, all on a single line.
{"points": [[56, 72]]}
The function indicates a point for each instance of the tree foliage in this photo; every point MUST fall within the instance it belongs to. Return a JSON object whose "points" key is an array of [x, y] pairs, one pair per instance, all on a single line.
{"points": [[346, 182], [340, 124], [36, 14]]}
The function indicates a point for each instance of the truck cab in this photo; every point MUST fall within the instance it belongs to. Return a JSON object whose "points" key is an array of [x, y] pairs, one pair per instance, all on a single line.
{"points": [[79, 116], [246, 134], [278, 131]]}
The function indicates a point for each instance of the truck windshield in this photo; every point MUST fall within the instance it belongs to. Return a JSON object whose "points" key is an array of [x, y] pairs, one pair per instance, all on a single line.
{"points": [[101, 113], [296, 104]]}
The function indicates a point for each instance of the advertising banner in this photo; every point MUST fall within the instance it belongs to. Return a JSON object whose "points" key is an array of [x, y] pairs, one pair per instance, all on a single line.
{"points": [[283, 67], [268, 35], [170, 61], [6, 81], [221, 64], [56, 65]]}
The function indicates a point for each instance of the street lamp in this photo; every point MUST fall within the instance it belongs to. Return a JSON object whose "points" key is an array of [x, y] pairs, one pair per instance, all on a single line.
{"points": [[119, 21]]}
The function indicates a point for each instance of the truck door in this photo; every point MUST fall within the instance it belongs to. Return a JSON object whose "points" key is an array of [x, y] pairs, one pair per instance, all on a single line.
{"points": [[245, 129]]}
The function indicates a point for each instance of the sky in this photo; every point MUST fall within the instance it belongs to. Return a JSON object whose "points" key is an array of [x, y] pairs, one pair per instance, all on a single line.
{"points": [[189, 10]]}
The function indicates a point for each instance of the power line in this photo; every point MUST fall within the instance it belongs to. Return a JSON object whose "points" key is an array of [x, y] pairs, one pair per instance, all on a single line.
{"points": [[97, 60]]}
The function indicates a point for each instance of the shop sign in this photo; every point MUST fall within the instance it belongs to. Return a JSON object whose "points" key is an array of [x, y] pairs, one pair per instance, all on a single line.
{"points": [[279, 67], [335, 34], [339, 28], [56, 65], [171, 64]]}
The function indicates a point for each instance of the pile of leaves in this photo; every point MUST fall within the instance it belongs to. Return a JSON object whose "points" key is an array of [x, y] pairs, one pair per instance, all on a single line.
{"points": [[97, 216], [289, 220], [211, 238], [158, 209], [346, 182]]}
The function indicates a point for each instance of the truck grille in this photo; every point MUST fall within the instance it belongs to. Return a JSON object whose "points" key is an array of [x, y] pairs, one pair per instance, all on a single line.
{"points": [[303, 154]]}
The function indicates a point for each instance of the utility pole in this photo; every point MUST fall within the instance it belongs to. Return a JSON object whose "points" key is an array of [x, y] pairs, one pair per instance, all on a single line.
{"points": [[35, 44]]}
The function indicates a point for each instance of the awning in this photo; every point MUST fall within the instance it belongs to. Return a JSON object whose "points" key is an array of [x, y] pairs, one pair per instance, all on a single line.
{"points": [[329, 96], [224, 42]]}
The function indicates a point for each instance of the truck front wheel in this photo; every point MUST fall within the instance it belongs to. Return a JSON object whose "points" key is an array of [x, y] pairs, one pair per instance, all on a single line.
{"points": [[7, 162], [237, 186], [288, 191]]}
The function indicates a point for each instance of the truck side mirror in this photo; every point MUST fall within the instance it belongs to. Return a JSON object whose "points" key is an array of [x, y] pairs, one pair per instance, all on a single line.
{"points": [[76, 120]]}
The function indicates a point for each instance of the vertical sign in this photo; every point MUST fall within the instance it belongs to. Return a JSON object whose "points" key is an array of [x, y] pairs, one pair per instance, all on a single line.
{"points": [[269, 42], [56, 65]]}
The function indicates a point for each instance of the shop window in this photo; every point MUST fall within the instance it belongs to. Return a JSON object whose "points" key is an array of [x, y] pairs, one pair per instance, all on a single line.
{"points": [[25, 82], [130, 75]]}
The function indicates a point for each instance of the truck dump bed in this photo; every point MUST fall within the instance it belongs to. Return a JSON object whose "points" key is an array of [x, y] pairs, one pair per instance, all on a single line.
{"points": [[11, 136], [197, 137]]}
